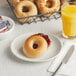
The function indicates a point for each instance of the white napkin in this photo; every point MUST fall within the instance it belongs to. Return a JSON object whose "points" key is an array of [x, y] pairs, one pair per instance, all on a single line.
{"points": [[69, 68], [66, 69]]}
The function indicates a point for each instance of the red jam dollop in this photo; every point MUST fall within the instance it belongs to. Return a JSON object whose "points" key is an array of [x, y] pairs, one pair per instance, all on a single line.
{"points": [[46, 38]]}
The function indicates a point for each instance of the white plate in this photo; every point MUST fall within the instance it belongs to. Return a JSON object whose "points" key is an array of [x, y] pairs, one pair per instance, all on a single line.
{"points": [[53, 51]]}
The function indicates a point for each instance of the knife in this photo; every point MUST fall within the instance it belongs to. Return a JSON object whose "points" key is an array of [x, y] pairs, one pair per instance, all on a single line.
{"points": [[65, 59]]}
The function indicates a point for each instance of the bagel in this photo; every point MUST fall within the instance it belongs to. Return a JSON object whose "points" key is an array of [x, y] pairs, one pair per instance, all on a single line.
{"points": [[15, 2], [46, 6], [35, 46], [25, 9]]}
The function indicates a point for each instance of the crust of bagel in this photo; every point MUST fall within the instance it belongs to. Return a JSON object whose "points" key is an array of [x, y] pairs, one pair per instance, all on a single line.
{"points": [[15, 2], [28, 49], [20, 14], [43, 9]]}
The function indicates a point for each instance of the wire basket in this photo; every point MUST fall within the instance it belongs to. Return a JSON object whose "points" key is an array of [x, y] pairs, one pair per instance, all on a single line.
{"points": [[38, 17]]}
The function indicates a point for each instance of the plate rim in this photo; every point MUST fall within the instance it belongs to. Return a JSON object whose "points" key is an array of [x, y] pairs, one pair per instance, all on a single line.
{"points": [[30, 58]]}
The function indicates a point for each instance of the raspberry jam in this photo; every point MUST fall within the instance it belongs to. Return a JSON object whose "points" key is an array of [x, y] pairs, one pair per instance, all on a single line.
{"points": [[46, 38]]}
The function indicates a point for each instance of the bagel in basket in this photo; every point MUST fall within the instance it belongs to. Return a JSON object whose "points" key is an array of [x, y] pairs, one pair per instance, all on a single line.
{"points": [[25, 9], [15, 2], [46, 6]]}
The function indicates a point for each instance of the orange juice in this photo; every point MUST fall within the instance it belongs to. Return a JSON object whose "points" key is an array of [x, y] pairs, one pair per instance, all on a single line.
{"points": [[69, 20]]}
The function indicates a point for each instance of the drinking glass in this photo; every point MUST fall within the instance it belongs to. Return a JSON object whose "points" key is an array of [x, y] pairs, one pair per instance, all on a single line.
{"points": [[68, 15]]}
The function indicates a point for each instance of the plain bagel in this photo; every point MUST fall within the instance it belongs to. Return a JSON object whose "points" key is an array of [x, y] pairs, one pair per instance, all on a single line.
{"points": [[25, 9], [46, 6], [35, 46]]}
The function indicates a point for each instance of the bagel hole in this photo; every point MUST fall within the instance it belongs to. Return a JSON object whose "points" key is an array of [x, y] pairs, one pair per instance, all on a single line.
{"points": [[49, 3], [25, 9], [35, 46]]}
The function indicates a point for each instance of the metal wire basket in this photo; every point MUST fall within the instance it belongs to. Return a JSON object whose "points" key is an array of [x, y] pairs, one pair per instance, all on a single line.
{"points": [[37, 18]]}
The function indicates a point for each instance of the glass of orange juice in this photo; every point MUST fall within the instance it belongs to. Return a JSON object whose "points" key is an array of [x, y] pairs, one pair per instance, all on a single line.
{"points": [[68, 14]]}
